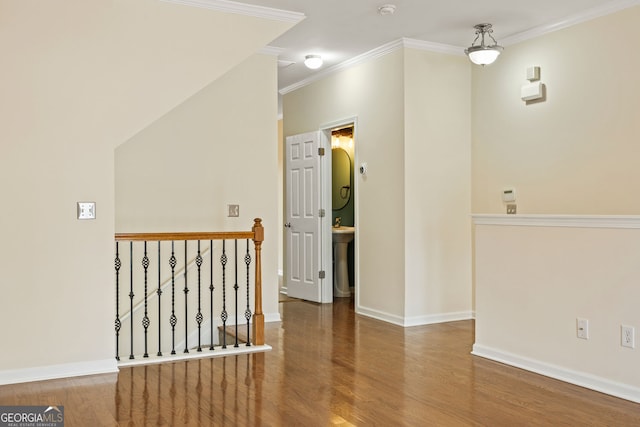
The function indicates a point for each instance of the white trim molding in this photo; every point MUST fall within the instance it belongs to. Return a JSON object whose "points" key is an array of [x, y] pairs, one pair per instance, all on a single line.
{"points": [[431, 319], [243, 9], [407, 322], [367, 56], [378, 52], [52, 372], [380, 315], [387, 48], [271, 50], [575, 221], [272, 317], [587, 15], [603, 385], [433, 47], [218, 352]]}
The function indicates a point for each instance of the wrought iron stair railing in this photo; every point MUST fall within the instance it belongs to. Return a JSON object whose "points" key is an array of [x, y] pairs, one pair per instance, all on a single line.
{"points": [[218, 289]]}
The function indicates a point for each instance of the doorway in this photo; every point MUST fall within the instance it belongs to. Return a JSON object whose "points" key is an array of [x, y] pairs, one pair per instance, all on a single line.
{"points": [[343, 209], [308, 268]]}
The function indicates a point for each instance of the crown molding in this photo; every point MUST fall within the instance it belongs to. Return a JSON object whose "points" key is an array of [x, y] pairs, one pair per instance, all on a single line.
{"points": [[378, 52], [271, 50], [243, 9], [385, 49], [367, 56], [570, 21], [433, 47]]}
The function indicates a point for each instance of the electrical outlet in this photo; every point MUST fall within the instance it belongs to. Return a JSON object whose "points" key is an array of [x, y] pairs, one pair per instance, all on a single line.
{"points": [[234, 210], [627, 336], [511, 209], [582, 326], [86, 210]]}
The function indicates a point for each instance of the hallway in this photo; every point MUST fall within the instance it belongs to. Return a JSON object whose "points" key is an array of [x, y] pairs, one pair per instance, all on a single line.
{"points": [[330, 367]]}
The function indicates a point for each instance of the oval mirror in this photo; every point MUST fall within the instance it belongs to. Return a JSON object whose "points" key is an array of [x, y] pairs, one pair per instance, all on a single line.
{"points": [[340, 178]]}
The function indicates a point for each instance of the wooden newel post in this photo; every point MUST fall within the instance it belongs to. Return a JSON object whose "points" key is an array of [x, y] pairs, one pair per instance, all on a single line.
{"points": [[258, 316]]}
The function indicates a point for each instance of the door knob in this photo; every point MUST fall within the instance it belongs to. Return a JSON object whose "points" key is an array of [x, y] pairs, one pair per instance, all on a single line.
{"points": [[288, 225]]}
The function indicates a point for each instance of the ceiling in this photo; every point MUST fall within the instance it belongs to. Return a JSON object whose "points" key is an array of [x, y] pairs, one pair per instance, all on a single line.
{"points": [[342, 29]]}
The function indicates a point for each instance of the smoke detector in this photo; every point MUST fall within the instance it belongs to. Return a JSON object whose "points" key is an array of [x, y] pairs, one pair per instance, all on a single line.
{"points": [[387, 9]]}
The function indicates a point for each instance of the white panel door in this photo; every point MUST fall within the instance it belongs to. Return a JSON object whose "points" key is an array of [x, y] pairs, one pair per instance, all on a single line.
{"points": [[302, 221]]}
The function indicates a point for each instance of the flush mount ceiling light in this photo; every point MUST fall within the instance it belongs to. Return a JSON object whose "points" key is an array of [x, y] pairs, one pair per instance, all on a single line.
{"points": [[483, 54], [313, 61]]}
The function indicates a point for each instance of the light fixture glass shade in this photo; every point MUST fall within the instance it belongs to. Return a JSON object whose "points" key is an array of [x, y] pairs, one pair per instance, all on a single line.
{"points": [[484, 56], [481, 53], [313, 61]]}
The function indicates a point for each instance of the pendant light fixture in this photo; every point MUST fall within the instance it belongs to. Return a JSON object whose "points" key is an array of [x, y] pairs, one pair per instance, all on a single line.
{"points": [[483, 54]]}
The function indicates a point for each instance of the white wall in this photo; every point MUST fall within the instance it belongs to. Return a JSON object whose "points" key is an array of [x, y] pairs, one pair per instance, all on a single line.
{"points": [[217, 148], [437, 165], [372, 91], [413, 229], [79, 78]]}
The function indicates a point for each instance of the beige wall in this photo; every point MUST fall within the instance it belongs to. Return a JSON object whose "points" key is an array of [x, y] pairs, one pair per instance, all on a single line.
{"points": [[217, 148], [413, 232], [577, 151], [372, 91], [79, 78], [533, 282], [280, 219], [437, 165]]}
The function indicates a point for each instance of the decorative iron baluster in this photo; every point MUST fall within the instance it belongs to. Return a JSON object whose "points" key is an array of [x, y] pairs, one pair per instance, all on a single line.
{"points": [[131, 295], [247, 311], [159, 292], [211, 288], [173, 320], [145, 319], [223, 315], [186, 311], [118, 323], [199, 314], [235, 289]]}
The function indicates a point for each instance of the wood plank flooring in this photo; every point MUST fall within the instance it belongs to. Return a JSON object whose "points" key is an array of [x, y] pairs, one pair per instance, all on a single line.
{"points": [[329, 367]]}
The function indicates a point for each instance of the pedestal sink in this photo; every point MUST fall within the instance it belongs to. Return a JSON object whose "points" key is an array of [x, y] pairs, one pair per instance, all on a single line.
{"points": [[341, 237]]}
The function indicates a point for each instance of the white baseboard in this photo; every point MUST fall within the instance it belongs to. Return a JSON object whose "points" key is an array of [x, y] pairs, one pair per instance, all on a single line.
{"points": [[380, 315], [582, 379], [272, 317], [218, 352], [68, 370], [439, 318], [52, 372], [416, 320]]}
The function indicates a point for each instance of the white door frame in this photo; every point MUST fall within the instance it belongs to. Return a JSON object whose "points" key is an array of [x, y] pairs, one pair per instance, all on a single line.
{"points": [[325, 192]]}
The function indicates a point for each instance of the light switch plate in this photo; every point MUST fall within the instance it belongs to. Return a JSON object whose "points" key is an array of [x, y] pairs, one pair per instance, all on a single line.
{"points": [[86, 210], [234, 210]]}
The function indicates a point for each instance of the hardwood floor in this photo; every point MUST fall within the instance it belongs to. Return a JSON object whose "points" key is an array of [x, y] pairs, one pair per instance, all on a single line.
{"points": [[329, 367]]}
